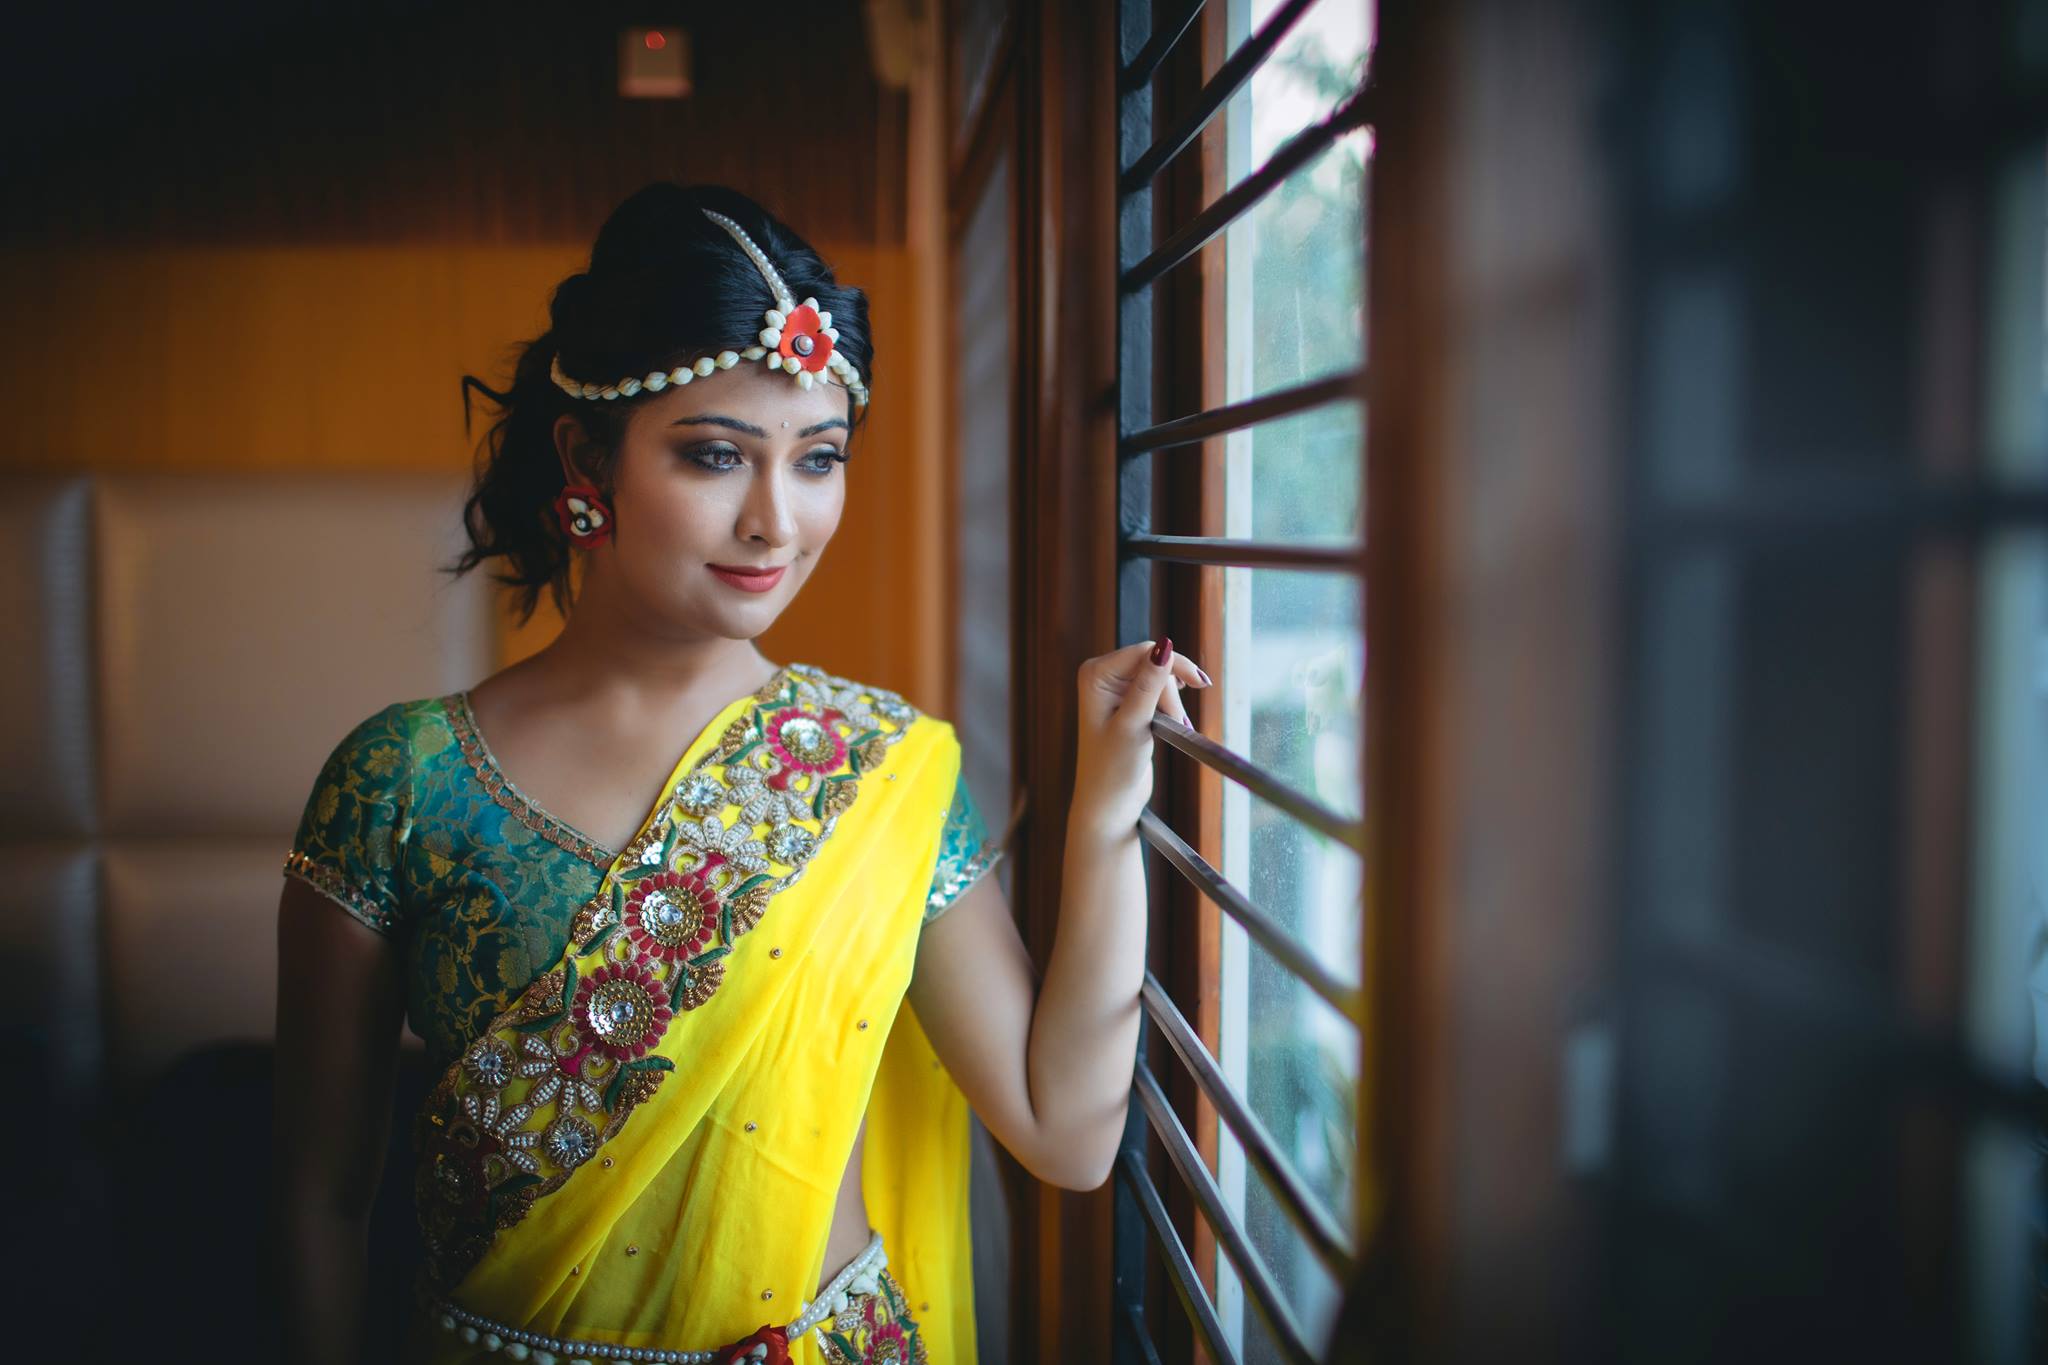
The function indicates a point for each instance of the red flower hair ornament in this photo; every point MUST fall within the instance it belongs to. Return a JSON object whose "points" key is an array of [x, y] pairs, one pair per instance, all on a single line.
{"points": [[798, 339]]}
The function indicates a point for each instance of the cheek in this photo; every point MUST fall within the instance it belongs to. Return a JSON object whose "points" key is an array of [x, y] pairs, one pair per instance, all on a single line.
{"points": [[676, 517], [822, 515]]}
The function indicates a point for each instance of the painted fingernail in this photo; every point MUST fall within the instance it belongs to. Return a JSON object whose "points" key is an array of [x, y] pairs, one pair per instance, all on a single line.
{"points": [[1206, 681], [1161, 650]]}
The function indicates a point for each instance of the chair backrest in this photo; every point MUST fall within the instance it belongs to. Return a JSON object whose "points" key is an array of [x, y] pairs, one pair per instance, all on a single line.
{"points": [[177, 657]]}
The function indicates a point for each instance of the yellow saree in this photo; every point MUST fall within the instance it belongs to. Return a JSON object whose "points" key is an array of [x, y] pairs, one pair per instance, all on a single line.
{"points": [[643, 1152]]}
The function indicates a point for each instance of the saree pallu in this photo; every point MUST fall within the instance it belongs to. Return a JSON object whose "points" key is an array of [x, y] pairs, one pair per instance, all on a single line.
{"points": [[647, 1147]]}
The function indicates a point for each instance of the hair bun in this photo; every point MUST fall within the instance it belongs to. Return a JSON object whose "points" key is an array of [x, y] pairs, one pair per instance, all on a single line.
{"points": [[572, 301]]}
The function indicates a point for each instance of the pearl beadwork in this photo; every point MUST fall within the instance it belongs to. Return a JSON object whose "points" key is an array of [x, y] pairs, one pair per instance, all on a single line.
{"points": [[776, 317]]}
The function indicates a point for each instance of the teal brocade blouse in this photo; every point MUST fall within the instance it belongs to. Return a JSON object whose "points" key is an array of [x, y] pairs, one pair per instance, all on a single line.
{"points": [[414, 830]]}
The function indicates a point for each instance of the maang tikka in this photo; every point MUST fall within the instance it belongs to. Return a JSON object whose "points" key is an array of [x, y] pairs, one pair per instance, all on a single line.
{"points": [[798, 339]]}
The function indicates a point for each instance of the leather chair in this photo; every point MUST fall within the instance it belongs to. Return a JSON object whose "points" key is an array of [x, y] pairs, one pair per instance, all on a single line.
{"points": [[177, 657]]}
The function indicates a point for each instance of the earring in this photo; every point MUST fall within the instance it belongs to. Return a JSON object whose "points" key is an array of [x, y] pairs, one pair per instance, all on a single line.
{"points": [[583, 516]]}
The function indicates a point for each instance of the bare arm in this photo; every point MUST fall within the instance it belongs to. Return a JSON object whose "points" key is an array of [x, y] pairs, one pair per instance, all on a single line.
{"points": [[340, 1004], [1049, 1069]]}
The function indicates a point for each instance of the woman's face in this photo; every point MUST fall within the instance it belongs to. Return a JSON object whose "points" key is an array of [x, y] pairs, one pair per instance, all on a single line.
{"points": [[737, 472]]}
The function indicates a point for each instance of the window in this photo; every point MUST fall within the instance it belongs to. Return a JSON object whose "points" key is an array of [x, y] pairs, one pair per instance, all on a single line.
{"points": [[1242, 344]]}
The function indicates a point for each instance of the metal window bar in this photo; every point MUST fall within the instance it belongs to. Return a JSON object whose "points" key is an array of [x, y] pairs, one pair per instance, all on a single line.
{"points": [[1251, 1268], [1316, 1226], [1140, 70], [1200, 426], [1260, 783], [1138, 1206], [1180, 1267], [1280, 945], [1343, 556], [1226, 82], [1289, 157]]}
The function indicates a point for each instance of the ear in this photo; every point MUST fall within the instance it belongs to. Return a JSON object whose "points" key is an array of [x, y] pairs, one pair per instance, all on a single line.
{"points": [[571, 446]]}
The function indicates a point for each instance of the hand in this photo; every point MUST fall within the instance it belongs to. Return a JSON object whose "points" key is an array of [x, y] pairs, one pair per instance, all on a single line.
{"points": [[1119, 693]]}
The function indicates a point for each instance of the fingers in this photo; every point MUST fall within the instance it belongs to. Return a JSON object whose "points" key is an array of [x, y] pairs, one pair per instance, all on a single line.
{"points": [[1150, 690], [1107, 681]]}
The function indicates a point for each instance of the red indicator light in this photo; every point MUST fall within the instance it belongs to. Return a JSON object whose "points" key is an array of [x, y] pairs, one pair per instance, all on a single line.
{"points": [[655, 41]]}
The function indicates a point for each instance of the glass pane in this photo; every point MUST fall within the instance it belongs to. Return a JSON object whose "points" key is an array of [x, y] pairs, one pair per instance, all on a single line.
{"points": [[1293, 267], [1317, 65], [1305, 475], [1294, 1058], [1290, 684], [1297, 668], [1293, 663]]}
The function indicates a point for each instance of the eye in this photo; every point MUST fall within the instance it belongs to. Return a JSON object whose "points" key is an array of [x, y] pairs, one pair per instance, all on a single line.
{"points": [[821, 460], [717, 457]]}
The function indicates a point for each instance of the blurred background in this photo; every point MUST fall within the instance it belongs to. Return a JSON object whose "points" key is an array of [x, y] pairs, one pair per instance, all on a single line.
{"points": [[1636, 954]]}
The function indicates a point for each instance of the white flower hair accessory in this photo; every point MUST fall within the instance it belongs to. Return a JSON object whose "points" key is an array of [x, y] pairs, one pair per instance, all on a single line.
{"points": [[799, 339]]}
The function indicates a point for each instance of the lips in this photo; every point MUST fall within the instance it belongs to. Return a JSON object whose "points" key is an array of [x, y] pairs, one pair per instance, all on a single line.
{"points": [[748, 579]]}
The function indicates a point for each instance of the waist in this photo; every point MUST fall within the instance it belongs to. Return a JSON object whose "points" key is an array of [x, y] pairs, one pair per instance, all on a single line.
{"points": [[861, 1275]]}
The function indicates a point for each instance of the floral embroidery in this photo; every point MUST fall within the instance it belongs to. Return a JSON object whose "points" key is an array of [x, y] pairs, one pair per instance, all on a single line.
{"points": [[650, 945], [672, 915], [623, 1011], [402, 832], [875, 1328]]}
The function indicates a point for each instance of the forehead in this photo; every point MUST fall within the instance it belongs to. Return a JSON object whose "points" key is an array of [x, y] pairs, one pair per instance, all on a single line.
{"points": [[751, 392]]}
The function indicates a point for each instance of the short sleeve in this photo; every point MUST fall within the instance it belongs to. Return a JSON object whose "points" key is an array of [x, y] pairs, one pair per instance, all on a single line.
{"points": [[350, 835], [966, 853]]}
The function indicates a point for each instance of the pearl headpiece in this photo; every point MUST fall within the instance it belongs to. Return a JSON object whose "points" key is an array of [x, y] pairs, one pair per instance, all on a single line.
{"points": [[799, 338]]}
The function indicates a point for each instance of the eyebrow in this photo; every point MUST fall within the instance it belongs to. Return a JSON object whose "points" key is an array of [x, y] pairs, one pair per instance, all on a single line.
{"points": [[718, 420]]}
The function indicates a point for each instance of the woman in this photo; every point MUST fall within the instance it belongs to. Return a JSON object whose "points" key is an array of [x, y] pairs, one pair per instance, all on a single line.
{"points": [[706, 1016]]}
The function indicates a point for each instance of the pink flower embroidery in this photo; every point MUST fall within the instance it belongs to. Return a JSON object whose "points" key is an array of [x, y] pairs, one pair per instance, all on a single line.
{"points": [[804, 742], [622, 1009], [672, 915]]}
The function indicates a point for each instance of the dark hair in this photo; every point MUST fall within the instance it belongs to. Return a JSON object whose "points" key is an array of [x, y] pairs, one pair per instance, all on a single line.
{"points": [[665, 286]]}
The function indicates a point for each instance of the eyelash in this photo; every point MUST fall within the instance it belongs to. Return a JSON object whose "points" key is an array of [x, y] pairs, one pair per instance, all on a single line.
{"points": [[697, 457]]}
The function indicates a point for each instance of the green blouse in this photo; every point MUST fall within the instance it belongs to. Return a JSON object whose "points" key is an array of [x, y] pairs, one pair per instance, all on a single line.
{"points": [[414, 830]]}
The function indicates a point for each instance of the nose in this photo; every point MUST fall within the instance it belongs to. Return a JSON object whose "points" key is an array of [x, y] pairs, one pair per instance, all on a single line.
{"points": [[765, 516]]}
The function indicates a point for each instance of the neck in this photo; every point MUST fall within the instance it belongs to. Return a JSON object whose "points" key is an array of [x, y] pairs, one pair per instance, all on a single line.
{"points": [[607, 646]]}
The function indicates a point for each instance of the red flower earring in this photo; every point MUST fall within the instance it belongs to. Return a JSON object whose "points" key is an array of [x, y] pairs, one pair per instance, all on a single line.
{"points": [[584, 518]]}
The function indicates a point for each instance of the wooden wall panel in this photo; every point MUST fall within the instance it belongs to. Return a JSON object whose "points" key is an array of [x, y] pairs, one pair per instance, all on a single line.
{"points": [[466, 122], [284, 250]]}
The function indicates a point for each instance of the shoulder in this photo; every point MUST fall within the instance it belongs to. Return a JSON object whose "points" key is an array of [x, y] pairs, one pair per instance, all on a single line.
{"points": [[381, 745]]}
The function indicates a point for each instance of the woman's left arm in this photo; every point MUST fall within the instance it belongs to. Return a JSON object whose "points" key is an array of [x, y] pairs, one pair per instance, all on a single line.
{"points": [[1048, 1068]]}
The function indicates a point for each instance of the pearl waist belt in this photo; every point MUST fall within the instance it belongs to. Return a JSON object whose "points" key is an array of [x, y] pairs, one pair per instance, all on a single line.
{"points": [[861, 1275]]}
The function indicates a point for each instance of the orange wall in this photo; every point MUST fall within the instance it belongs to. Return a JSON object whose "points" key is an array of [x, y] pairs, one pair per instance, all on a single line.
{"points": [[333, 358]]}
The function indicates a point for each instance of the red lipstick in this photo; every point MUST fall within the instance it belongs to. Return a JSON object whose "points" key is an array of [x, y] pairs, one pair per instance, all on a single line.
{"points": [[747, 578]]}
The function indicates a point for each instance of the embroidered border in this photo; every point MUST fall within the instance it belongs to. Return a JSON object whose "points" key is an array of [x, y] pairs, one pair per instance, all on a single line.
{"points": [[358, 902], [875, 1327], [650, 944], [523, 807], [947, 893]]}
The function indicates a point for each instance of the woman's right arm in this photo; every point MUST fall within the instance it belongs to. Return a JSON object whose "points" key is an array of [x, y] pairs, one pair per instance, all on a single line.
{"points": [[340, 1005]]}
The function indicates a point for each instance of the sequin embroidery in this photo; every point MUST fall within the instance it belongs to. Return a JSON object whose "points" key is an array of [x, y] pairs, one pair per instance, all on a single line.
{"points": [[650, 944]]}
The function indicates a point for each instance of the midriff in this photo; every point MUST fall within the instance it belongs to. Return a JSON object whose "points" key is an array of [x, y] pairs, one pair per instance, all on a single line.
{"points": [[850, 1229]]}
